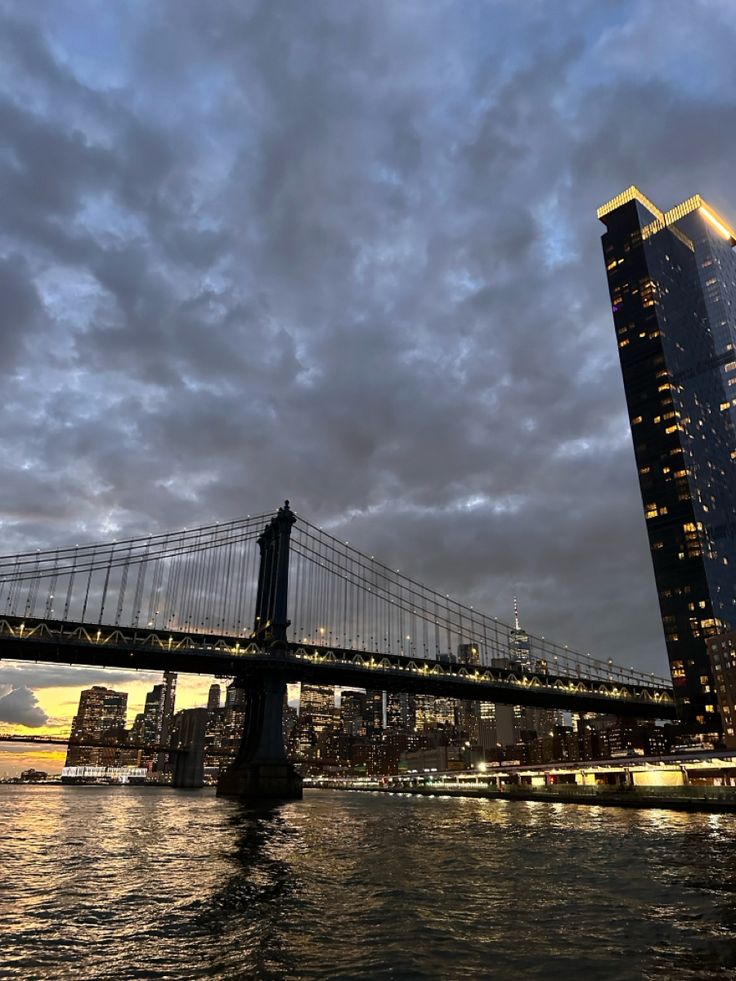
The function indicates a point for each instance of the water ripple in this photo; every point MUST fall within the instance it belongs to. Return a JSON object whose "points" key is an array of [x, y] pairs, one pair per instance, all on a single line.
{"points": [[119, 883]]}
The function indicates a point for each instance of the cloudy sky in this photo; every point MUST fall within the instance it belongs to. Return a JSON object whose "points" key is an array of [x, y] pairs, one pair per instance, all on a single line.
{"points": [[344, 253]]}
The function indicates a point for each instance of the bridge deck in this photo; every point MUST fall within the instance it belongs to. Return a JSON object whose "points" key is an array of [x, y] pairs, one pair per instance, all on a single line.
{"points": [[54, 641]]}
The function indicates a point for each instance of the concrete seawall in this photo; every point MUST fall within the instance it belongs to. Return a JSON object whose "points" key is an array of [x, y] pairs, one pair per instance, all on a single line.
{"points": [[708, 803]]}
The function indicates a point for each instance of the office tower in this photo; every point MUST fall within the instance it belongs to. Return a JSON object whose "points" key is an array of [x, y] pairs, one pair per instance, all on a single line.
{"points": [[353, 712], [167, 709], [468, 654], [213, 698], [499, 725], [519, 648], [374, 705], [216, 744], [528, 719], [152, 712], [289, 723], [316, 715], [235, 696], [317, 701], [100, 716], [400, 710], [467, 712], [155, 726], [672, 281], [188, 731], [431, 711], [722, 653], [233, 722]]}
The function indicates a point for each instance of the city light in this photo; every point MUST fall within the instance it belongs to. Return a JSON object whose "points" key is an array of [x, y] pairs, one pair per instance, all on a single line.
{"points": [[716, 222]]}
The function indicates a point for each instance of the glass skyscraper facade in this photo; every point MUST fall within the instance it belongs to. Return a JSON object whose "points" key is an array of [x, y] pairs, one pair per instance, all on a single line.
{"points": [[672, 282]]}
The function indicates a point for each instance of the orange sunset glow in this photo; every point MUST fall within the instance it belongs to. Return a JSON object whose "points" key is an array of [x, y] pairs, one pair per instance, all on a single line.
{"points": [[60, 704]]}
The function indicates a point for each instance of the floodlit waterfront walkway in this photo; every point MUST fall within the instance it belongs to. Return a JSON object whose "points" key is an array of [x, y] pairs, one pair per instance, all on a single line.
{"points": [[703, 782]]}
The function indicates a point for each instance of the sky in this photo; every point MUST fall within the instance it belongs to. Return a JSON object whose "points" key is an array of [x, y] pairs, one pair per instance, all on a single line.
{"points": [[347, 254]]}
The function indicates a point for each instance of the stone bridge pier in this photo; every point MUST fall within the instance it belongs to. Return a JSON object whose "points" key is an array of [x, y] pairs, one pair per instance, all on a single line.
{"points": [[261, 770]]}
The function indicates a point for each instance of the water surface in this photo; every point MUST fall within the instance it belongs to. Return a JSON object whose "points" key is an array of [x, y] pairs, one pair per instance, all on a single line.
{"points": [[118, 883]]}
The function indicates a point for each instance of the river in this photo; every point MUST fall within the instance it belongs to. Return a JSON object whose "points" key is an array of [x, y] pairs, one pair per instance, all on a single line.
{"points": [[120, 883]]}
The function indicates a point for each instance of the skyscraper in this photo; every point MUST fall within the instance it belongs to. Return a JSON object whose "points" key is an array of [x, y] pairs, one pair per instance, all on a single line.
{"points": [[400, 710], [519, 651], [672, 281], [317, 714], [213, 698], [101, 715]]}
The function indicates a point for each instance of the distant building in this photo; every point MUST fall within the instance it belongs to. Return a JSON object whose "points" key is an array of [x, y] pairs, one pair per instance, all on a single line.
{"points": [[722, 654], [33, 776], [100, 717], [317, 701], [235, 696], [519, 647], [431, 711], [289, 723], [354, 712], [213, 698], [189, 733], [468, 654], [400, 711], [317, 714], [467, 713], [374, 706], [153, 726], [232, 722], [499, 725], [103, 774]]}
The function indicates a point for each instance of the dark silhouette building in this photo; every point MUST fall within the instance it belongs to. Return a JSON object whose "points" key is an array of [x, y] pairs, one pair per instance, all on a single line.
{"points": [[672, 281], [213, 698]]}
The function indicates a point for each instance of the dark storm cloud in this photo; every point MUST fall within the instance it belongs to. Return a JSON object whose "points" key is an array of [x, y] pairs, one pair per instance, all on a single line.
{"points": [[21, 313], [19, 706], [65, 676], [346, 253]]}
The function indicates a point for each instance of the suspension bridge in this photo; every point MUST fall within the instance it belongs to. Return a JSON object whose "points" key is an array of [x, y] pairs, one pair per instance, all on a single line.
{"points": [[271, 599]]}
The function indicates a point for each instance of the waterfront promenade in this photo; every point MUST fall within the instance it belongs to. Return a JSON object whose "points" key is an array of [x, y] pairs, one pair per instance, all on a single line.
{"points": [[695, 782]]}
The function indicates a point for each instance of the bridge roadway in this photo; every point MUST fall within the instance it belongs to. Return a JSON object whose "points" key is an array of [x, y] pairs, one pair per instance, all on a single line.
{"points": [[57, 642]]}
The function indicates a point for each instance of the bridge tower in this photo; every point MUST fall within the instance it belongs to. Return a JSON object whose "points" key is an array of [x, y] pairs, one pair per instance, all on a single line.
{"points": [[261, 769]]}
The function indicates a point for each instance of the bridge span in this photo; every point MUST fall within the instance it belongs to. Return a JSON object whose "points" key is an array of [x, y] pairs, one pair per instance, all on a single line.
{"points": [[321, 612]]}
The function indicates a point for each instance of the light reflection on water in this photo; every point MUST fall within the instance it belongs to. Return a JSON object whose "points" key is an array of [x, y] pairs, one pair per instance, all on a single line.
{"points": [[120, 883]]}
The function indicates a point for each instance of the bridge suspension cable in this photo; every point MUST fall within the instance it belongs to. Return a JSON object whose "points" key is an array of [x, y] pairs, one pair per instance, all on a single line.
{"points": [[205, 580], [196, 580], [346, 599]]}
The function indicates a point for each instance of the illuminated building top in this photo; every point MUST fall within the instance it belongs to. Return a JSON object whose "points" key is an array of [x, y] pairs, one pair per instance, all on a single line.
{"points": [[667, 219]]}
